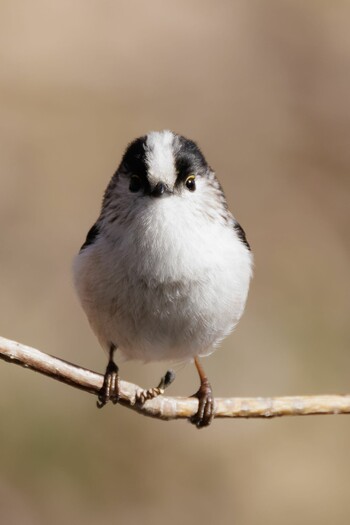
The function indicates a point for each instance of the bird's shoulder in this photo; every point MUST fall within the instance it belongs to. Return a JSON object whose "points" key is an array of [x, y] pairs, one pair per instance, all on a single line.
{"points": [[241, 234], [91, 236]]}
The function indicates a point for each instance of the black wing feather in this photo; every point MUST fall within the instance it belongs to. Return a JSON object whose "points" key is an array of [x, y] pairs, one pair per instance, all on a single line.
{"points": [[91, 236], [241, 234]]}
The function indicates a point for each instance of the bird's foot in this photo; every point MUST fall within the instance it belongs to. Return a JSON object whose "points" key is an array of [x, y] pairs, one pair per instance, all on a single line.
{"points": [[144, 395], [110, 388], [205, 412]]}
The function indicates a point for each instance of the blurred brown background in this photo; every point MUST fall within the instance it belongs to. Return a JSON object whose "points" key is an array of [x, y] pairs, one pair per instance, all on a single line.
{"points": [[264, 88]]}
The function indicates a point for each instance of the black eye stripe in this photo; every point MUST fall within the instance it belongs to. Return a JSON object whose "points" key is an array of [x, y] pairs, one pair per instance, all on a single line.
{"points": [[135, 183], [134, 159], [183, 168], [188, 160]]}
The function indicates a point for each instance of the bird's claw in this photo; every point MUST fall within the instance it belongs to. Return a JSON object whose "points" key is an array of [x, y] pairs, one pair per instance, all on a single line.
{"points": [[110, 390], [144, 395], [205, 413]]}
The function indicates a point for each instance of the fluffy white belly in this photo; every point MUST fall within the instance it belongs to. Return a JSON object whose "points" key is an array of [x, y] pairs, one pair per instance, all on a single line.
{"points": [[169, 296]]}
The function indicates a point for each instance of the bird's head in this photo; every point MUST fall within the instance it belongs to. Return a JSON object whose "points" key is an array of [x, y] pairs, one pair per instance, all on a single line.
{"points": [[161, 167]]}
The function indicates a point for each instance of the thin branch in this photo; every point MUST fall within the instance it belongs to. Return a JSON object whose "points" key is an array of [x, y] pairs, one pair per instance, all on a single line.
{"points": [[171, 407]]}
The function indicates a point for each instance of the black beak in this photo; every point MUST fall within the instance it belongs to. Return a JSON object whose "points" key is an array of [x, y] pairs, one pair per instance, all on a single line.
{"points": [[158, 190]]}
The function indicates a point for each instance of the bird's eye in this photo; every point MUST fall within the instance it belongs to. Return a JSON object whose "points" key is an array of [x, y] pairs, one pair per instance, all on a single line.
{"points": [[135, 183], [191, 182]]}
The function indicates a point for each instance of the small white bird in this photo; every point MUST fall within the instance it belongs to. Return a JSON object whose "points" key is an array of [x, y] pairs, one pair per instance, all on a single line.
{"points": [[164, 272]]}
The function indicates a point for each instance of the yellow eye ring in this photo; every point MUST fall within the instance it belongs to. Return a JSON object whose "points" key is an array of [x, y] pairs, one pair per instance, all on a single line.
{"points": [[190, 182]]}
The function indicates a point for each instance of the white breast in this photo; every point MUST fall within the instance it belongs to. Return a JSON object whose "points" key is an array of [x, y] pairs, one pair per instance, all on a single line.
{"points": [[171, 287]]}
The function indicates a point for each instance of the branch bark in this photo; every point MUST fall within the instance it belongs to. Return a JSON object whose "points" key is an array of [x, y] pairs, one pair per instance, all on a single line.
{"points": [[168, 408]]}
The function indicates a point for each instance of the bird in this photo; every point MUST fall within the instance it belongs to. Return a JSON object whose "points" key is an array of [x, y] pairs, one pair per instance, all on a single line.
{"points": [[164, 272]]}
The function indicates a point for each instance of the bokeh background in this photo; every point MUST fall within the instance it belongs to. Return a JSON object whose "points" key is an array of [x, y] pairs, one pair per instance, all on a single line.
{"points": [[264, 88]]}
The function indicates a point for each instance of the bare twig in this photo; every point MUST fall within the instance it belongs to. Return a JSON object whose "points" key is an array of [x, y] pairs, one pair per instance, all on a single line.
{"points": [[170, 407]]}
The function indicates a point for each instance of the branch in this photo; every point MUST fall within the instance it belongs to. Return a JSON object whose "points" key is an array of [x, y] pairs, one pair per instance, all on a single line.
{"points": [[171, 407]]}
